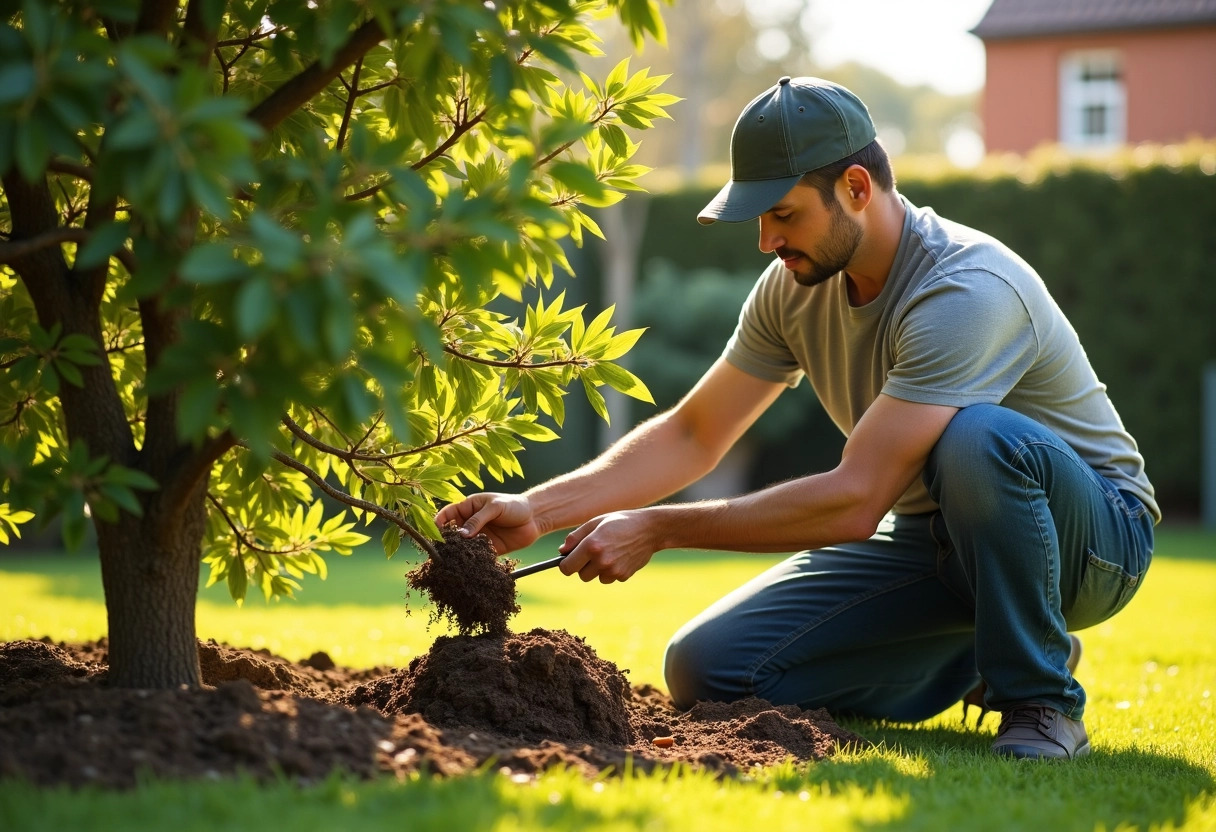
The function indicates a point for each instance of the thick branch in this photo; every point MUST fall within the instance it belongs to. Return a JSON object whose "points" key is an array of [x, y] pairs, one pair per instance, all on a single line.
{"points": [[196, 35], [193, 469], [94, 412], [66, 166], [294, 93], [355, 502], [155, 16], [15, 250]]}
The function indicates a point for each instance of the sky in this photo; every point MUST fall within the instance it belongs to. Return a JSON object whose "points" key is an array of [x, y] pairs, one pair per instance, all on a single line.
{"points": [[914, 41]]}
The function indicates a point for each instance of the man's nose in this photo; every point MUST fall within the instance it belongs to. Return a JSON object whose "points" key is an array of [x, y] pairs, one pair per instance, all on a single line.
{"points": [[770, 241]]}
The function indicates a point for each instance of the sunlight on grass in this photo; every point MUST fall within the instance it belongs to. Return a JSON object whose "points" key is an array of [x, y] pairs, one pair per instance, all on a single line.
{"points": [[363, 615], [1150, 674]]}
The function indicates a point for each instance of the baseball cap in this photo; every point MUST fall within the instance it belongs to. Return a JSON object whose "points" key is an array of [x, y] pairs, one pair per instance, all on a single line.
{"points": [[796, 126]]}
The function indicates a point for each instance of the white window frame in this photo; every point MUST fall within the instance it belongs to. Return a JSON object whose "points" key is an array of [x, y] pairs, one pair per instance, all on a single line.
{"points": [[1078, 94]]}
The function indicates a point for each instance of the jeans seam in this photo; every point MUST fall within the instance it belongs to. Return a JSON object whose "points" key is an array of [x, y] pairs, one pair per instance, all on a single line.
{"points": [[798, 633], [1053, 588]]}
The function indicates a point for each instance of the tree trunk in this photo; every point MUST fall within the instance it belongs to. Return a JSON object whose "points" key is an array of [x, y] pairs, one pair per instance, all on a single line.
{"points": [[149, 569]]}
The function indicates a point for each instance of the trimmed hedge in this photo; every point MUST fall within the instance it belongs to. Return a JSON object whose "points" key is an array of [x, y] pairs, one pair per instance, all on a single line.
{"points": [[1127, 245]]}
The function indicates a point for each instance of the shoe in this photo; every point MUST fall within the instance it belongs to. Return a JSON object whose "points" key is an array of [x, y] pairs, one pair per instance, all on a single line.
{"points": [[1036, 732], [975, 696]]}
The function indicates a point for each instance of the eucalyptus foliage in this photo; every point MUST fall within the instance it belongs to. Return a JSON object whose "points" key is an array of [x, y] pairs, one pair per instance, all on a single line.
{"points": [[249, 253]]}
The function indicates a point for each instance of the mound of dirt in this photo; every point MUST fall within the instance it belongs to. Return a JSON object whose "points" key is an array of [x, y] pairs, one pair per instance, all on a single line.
{"points": [[540, 685], [260, 714], [468, 584]]}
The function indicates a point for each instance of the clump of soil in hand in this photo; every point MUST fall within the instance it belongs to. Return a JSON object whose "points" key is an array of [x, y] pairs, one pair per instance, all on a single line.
{"points": [[467, 583]]}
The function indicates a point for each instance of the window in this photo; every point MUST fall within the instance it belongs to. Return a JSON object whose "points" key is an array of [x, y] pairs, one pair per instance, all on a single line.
{"points": [[1093, 103]]}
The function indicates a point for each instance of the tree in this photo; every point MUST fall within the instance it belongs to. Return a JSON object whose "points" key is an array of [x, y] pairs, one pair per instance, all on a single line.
{"points": [[249, 248]]}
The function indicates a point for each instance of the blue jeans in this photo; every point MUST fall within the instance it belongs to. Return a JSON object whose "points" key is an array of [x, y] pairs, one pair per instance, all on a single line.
{"points": [[1029, 543]]}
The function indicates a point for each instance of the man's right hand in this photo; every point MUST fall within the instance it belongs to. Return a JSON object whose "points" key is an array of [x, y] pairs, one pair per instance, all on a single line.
{"points": [[505, 518]]}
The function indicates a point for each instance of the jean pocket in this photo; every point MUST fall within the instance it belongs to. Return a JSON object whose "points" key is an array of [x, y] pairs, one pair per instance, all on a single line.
{"points": [[1105, 589]]}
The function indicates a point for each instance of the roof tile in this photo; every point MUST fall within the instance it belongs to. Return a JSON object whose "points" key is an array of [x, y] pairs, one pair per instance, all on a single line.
{"points": [[1030, 18]]}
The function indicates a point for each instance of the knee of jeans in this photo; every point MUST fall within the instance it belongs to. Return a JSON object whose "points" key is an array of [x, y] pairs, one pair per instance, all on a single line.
{"points": [[966, 453], [694, 669]]}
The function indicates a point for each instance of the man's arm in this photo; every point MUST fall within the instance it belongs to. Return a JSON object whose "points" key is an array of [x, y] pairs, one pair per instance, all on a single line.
{"points": [[885, 453], [655, 459]]}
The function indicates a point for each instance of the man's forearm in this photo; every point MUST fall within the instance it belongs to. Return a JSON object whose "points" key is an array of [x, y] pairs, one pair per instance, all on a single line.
{"points": [[653, 461], [807, 513]]}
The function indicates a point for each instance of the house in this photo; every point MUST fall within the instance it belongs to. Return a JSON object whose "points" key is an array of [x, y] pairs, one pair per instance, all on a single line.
{"points": [[1095, 74]]}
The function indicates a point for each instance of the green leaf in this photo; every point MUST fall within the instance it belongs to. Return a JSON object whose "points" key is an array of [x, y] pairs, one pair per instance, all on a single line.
{"points": [[212, 263], [596, 399], [623, 381], [16, 82], [579, 178], [238, 581], [103, 242], [255, 307]]}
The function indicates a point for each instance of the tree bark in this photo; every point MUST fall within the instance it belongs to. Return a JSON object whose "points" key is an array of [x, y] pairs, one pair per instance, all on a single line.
{"points": [[149, 570], [149, 564]]}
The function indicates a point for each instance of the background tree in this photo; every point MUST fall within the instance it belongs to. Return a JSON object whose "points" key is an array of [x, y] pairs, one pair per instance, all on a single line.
{"points": [[248, 249]]}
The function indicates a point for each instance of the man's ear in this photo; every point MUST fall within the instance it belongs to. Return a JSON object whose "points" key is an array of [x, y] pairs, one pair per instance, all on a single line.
{"points": [[858, 184]]}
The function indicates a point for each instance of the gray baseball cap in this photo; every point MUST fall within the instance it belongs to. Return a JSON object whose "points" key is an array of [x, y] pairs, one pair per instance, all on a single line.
{"points": [[796, 126]]}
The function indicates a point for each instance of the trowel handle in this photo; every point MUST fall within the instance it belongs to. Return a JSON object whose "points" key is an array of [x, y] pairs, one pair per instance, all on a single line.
{"points": [[537, 567]]}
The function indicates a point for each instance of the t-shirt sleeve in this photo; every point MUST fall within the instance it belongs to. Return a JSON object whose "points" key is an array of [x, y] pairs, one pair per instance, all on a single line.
{"points": [[966, 339], [758, 346]]}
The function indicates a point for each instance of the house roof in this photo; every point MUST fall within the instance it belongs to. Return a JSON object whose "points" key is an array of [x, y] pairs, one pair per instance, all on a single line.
{"points": [[1032, 18]]}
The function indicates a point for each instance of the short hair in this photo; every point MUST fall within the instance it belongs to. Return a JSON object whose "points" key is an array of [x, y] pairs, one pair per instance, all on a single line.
{"points": [[873, 157]]}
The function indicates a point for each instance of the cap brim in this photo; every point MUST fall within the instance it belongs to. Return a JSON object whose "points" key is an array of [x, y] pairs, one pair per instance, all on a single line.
{"points": [[743, 200]]}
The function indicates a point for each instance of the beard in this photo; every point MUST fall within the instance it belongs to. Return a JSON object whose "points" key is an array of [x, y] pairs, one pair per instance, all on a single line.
{"points": [[833, 255]]}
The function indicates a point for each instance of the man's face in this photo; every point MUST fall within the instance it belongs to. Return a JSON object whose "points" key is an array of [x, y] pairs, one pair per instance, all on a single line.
{"points": [[814, 240]]}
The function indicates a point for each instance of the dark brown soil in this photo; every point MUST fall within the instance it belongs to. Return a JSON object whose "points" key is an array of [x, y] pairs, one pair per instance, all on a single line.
{"points": [[521, 703], [467, 583]]}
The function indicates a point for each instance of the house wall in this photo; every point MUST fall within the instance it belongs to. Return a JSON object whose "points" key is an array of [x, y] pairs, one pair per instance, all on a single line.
{"points": [[1170, 78]]}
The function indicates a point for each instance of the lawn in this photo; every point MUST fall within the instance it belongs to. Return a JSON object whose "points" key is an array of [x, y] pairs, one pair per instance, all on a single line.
{"points": [[1150, 674]]}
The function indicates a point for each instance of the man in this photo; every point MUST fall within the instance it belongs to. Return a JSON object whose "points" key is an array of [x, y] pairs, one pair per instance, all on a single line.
{"points": [[988, 498]]}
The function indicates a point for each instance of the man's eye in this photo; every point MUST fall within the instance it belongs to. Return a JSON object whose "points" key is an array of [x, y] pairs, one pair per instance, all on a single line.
{"points": [[782, 216]]}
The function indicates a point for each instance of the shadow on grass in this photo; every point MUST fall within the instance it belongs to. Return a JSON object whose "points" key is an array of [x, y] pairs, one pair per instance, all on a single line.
{"points": [[948, 778]]}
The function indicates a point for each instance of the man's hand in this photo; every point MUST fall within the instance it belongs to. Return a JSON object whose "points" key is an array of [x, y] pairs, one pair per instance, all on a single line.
{"points": [[611, 547], [507, 519]]}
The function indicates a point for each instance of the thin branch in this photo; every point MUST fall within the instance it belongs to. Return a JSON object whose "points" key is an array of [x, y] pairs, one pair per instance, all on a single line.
{"points": [[366, 192], [460, 129], [349, 456], [350, 104], [392, 82], [251, 38], [519, 363], [604, 110], [355, 502], [245, 541]]}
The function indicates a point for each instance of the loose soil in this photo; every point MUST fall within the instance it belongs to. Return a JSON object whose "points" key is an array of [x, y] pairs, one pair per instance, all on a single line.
{"points": [[521, 702]]}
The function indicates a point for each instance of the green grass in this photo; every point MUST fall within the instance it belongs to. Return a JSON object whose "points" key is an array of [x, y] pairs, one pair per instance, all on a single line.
{"points": [[1150, 674]]}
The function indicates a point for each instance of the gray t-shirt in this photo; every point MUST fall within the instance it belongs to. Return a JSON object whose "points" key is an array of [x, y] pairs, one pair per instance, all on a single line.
{"points": [[961, 320]]}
